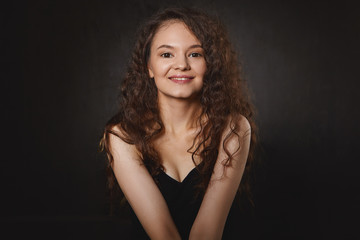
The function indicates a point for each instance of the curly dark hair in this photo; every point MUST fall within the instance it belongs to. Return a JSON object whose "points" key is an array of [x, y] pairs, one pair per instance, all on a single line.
{"points": [[224, 96]]}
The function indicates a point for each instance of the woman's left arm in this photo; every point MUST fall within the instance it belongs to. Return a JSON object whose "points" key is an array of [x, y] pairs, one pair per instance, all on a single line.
{"points": [[210, 220]]}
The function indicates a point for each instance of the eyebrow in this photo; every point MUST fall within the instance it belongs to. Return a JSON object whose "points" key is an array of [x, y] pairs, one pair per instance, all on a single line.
{"points": [[171, 47]]}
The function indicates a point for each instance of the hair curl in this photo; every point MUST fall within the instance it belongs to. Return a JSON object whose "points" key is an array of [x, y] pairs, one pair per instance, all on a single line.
{"points": [[224, 96]]}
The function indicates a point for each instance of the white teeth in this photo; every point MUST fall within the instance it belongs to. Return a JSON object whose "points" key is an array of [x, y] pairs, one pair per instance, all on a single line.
{"points": [[180, 79]]}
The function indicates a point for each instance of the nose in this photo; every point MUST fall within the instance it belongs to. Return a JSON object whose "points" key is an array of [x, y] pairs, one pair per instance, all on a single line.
{"points": [[181, 63]]}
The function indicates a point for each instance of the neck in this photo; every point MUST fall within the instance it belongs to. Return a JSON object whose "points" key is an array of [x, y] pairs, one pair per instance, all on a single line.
{"points": [[179, 115]]}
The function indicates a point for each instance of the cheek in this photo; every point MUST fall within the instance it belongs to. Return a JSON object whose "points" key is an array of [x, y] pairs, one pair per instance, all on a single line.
{"points": [[200, 67], [161, 68]]}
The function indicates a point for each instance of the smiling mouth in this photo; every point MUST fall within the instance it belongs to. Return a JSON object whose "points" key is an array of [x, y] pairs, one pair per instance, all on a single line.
{"points": [[181, 79]]}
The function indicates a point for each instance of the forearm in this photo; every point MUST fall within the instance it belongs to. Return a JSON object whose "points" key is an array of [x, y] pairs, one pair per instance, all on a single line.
{"points": [[202, 230], [158, 225], [165, 235], [205, 235]]}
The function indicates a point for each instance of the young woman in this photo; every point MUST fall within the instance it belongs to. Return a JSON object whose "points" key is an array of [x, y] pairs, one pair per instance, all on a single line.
{"points": [[182, 142]]}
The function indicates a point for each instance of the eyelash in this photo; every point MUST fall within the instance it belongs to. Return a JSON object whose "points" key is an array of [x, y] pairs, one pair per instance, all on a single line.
{"points": [[167, 55], [197, 54]]}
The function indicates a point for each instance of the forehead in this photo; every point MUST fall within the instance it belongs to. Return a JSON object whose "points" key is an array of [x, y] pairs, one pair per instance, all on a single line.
{"points": [[174, 32]]}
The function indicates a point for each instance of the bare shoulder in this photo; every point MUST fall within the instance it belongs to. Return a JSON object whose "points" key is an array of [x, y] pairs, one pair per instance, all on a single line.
{"points": [[236, 139], [119, 145], [117, 131], [244, 124], [241, 125], [116, 136]]}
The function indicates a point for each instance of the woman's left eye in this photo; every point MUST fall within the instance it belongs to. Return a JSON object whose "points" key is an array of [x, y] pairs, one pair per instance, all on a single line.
{"points": [[195, 55], [166, 55]]}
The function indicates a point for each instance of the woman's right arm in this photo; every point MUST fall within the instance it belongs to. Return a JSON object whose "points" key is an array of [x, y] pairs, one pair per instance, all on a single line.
{"points": [[141, 191]]}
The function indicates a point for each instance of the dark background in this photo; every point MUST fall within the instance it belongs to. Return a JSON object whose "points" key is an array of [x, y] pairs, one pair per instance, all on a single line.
{"points": [[62, 64]]}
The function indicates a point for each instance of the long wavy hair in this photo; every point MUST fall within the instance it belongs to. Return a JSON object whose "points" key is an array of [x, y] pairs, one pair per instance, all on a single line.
{"points": [[224, 96]]}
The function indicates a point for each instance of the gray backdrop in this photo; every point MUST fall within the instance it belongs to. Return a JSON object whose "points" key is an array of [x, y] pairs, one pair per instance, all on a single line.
{"points": [[65, 62]]}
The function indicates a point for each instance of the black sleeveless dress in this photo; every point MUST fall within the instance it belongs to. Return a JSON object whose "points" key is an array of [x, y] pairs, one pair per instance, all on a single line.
{"points": [[184, 207]]}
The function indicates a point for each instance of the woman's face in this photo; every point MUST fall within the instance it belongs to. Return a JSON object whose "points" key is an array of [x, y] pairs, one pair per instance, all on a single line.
{"points": [[176, 61]]}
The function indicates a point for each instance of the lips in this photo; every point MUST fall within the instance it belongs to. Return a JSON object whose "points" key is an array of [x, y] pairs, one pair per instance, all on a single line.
{"points": [[181, 78]]}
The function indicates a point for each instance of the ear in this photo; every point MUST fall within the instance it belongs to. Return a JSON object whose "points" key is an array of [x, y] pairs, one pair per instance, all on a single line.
{"points": [[150, 72]]}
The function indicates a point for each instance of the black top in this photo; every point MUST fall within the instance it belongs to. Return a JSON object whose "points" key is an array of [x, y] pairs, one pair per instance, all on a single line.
{"points": [[183, 206]]}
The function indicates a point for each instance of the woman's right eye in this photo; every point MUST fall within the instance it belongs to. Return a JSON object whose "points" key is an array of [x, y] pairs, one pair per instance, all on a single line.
{"points": [[166, 55]]}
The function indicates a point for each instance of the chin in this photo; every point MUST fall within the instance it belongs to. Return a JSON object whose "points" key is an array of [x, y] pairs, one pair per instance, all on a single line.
{"points": [[185, 96], [178, 95]]}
